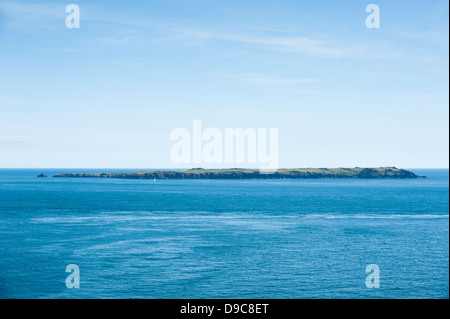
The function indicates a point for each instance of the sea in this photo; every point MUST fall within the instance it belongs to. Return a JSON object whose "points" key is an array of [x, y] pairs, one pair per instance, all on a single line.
{"points": [[255, 239]]}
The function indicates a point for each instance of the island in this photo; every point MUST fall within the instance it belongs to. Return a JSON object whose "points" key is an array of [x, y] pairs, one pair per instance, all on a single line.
{"points": [[241, 173]]}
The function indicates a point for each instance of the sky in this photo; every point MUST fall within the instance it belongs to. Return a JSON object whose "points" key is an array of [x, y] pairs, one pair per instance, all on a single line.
{"points": [[108, 94]]}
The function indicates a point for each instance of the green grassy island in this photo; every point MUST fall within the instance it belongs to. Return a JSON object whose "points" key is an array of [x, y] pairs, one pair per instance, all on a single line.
{"points": [[239, 173]]}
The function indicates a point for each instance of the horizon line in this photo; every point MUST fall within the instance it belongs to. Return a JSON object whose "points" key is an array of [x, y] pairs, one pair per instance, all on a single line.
{"points": [[216, 168]]}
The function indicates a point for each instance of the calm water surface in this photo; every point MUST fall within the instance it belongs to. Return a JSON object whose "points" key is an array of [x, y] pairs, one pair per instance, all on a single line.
{"points": [[223, 239]]}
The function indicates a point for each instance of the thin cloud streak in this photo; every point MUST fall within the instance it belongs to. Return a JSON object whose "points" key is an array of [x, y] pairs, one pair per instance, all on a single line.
{"points": [[264, 80], [39, 13]]}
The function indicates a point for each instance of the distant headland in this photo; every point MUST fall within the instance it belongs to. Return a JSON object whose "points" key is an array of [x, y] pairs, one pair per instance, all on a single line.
{"points": [[240, 173]]}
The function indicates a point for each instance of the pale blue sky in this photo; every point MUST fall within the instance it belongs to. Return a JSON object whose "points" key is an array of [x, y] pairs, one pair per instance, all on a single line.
{"points": [[108, 95]]}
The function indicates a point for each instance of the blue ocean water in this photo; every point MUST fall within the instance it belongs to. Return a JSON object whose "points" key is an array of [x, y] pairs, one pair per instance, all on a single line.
{"points": [[223, 239]]}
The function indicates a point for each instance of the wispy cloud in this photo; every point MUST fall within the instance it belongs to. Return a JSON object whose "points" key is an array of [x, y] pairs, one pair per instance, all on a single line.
{"points": [[27, 16], [264, 80], [12, 143], [6, 99], [303, 45], [32, 11], [27, 13], [425, 36], [122, 38]]}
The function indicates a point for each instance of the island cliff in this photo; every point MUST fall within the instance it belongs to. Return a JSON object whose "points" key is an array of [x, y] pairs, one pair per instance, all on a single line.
{"points": [[237, 173]]}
